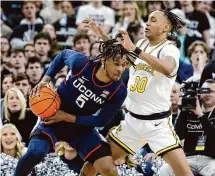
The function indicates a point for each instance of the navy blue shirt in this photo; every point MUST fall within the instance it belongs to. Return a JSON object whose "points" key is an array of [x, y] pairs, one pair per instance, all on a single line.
{"points": [[93, 102]]}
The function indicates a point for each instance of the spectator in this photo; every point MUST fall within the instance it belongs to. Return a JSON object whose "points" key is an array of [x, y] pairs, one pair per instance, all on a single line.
{"points": [[28, 27], [197, 130], [131, 14], [55, 47], [208, 72], [153, 6], [52, 13], [82, 43], [199, 55], [67, 22], [136, 32], [29, 50], [11, 141], [6, 83], [34, 70], [5, 48], [198, 25], [21, 82], [15, 112], [117, 6], [18, 61], [94, 49], [175, 95], [42, 46], [5, 29], [206, 7], [103, 15]]}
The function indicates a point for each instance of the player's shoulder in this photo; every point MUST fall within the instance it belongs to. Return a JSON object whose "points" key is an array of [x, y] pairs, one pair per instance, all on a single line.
{"points": [[141, 42], [122, 90]]}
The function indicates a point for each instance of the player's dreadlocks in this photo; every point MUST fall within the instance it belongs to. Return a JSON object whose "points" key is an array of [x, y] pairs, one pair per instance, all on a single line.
{"points": [[174, 20], [112, 47]]}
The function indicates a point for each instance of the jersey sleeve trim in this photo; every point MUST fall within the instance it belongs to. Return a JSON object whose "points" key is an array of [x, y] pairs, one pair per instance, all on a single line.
{"points": [[115, 91], [81, 70]]}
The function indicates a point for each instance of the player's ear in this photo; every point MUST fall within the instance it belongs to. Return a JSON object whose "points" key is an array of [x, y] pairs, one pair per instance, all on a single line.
{"points": [[167, 28]]}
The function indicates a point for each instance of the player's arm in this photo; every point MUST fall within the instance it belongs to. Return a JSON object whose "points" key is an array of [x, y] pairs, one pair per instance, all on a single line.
{"points": [[101, 119], [166, 65]]}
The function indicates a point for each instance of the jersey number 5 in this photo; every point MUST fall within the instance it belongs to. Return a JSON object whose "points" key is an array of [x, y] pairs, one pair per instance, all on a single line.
{"points": [[139, 84], [81, 100]]}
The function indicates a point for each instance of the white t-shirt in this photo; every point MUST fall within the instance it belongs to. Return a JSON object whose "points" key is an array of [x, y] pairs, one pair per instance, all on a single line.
{"points": [[148, 90], [103, 15]]}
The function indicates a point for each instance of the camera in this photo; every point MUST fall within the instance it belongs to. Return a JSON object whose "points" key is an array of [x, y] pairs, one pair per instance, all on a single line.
{"points": [[189, 92]]}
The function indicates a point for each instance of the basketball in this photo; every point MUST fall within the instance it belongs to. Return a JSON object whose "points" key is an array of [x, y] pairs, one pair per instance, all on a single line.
{"points": [[45, 103]]}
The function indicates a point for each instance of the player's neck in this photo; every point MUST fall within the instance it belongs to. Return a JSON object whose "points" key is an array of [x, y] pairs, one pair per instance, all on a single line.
{"points": [[101, 75], [156, 41]]}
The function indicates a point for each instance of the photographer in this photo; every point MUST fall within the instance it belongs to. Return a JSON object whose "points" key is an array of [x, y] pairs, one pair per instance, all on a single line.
{"points": [[197, 128]]}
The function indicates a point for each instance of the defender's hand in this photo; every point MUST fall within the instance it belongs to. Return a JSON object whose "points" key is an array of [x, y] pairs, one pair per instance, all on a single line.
{"points": [[95, 27], [126, 41]]}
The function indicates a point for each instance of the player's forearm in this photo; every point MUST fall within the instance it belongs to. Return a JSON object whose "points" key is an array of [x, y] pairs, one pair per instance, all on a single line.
{"points": [[159, 65]]}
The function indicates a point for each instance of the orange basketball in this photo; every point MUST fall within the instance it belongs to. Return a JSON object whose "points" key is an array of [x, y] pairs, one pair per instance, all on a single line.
{"points": [[44, 104]]}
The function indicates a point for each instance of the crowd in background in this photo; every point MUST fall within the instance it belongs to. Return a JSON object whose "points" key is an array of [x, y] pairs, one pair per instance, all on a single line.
{"points": [[34, 32]]}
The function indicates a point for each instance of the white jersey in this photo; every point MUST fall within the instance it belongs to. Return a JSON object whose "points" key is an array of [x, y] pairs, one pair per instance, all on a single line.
{"points": [[148, 90]]}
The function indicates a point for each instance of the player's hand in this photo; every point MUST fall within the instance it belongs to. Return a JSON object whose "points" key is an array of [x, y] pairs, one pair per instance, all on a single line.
{"points": [[150, 157], [58, 117], [126, 41], [36, 89], [95, 27], [198, 109]]}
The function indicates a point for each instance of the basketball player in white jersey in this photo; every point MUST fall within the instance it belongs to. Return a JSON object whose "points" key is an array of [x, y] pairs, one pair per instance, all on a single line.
{"points": [[148, 101]]}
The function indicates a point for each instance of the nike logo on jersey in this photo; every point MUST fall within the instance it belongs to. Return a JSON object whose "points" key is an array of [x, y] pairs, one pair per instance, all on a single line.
{"points": [[158, 123]]}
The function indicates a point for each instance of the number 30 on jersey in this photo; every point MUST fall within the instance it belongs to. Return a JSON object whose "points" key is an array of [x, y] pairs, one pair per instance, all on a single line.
{"points": [[139, 84]]}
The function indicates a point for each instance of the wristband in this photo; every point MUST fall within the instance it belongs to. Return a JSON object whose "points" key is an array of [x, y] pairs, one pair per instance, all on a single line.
{"points": [[137, 51]]}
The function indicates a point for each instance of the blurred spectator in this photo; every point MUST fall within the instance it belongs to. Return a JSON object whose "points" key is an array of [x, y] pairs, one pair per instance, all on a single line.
{"points": [[5, 48], [69, 156], [208, 72], [18, 61], [153, 6], [6, 83], [199, 55], [94, 49], [34, 70], [117, 6], [28, 27], [170, 4], [11, 141], [58, 81], [136, 32], [93, 36], [29, 50], [21, 82], [55, 47], [174, 97], [82, 43], [206, 7], [15, 112], [42, 46], [185, 70], [67, 22], [182, 35], [131, 14], [52, 13], [101, 14], [197, 129], [198, 25], [5, 29], [6, 68]]}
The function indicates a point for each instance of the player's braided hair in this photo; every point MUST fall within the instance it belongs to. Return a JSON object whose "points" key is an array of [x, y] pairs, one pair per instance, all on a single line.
{"points": [[112, 47], [176, 21]]}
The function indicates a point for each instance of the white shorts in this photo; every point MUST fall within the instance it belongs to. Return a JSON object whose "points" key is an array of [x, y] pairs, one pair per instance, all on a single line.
{"points": [[132, 134]]}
